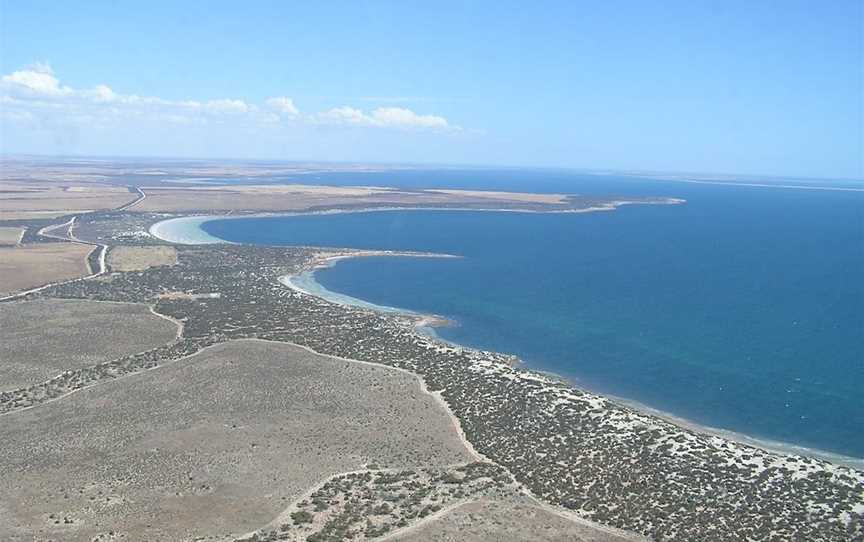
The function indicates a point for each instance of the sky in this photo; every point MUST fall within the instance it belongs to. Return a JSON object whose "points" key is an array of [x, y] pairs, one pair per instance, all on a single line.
{"points": [[748, 87]]}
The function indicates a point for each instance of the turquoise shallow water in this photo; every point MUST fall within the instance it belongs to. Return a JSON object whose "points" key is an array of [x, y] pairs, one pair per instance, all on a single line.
{"points": [[741, 310]]}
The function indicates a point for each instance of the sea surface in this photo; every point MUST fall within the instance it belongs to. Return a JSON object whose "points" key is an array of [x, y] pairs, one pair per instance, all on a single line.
{"points": [[742, 310]]}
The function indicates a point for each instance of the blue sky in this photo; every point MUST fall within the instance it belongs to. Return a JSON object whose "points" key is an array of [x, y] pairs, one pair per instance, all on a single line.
{"points": [[737, 87]]}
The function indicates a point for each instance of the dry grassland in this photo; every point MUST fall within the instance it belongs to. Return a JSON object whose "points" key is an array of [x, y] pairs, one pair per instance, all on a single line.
{"points": [[31, 215], [217, 444], [40, 339], [35, 200], [29, 266], [504, 196], [122, 258], [301, 198], [504, 521], [10, 235]]}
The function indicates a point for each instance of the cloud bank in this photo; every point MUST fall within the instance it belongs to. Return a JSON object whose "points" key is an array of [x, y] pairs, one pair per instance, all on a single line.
{"points": [[283, 105], [385, 117], [35, 94]]}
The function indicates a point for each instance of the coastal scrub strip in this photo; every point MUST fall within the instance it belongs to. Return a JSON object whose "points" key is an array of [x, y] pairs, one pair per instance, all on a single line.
{"points": [[606, 462]]}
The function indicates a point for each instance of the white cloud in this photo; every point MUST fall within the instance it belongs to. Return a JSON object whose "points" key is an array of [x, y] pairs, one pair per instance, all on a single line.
{"points": [[344, 115], [283, 105], [103, 93], [384, 117], [35, 92], [227, 106], [399, 116], [35, 80]]}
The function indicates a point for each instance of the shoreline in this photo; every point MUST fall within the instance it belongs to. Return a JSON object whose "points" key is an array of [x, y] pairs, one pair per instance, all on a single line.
{"points": [[424, 325], [305, 283], [773, 446], [161, 229], [184, 230]]}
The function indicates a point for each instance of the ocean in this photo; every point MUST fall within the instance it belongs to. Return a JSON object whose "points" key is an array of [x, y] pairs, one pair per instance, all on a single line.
{"points": [[742, 310]]}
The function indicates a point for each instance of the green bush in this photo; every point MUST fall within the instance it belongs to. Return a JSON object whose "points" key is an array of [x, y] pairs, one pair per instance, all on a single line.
{"points": [[301, 516]]}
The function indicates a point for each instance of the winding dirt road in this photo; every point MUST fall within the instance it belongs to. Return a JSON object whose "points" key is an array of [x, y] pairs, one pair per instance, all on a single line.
{"points": [[49, 232]]}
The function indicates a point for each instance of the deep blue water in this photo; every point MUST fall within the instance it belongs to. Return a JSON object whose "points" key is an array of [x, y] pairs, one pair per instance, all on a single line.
{"points": [[741, 310]]}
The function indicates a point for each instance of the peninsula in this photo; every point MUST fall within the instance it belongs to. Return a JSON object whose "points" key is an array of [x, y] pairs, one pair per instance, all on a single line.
{"points": [[152, 389]]}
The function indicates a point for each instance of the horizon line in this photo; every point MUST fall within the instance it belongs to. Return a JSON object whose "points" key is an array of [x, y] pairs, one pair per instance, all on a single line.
{"points": [[648, 173]]}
